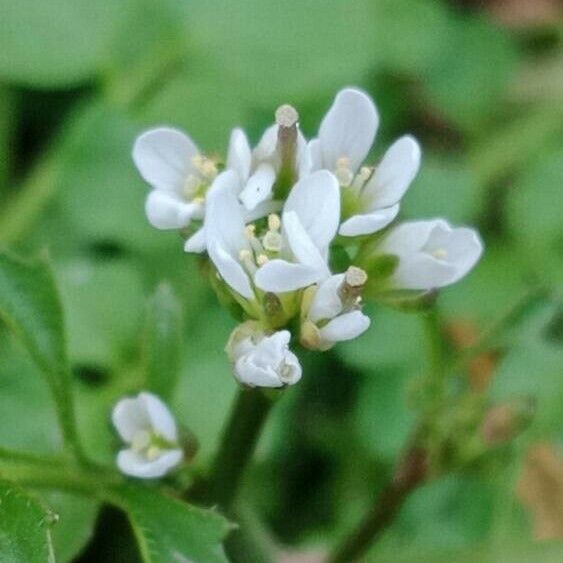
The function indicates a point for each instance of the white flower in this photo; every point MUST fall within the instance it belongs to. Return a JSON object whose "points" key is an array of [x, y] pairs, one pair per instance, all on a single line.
{"points": [[431, 254], [266, 162], [333, 316], [146, 425], [265, 361], [179, 174], [289, 254], [345, 137], [252, 189]]}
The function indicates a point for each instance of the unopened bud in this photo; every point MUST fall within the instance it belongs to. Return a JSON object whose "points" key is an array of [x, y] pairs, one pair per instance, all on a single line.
{"points": [[310, 337], [502, 423]]}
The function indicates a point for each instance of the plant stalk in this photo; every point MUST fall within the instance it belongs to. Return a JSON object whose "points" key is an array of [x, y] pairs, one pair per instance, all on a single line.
{"points": [[241, 435], [410, 473]]}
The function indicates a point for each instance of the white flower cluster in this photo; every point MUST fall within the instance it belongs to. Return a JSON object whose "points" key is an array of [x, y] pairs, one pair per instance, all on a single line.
{"points": [[272, 220]]}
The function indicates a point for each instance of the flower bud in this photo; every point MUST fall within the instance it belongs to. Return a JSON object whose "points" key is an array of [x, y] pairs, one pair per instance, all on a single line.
{"points": [[262, 360], [503, 423]]}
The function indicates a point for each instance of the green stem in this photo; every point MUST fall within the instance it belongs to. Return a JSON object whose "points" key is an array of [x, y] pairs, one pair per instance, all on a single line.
{"points": [[54, 473], [239, 441], [508, 319], [410, 473], [436, 354]]}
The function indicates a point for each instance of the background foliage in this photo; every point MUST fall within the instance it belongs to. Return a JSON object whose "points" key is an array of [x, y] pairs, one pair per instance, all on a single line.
{"points": [[479, 83]]}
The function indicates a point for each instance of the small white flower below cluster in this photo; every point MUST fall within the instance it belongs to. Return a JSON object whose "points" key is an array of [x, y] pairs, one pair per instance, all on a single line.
{"points": [[148, 428]]}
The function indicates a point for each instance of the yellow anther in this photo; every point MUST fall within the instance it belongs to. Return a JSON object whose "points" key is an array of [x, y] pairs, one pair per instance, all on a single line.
{"points": [[272, 241], [439, 253], [209, 169], [343, 162], [153, 453], [261, 259], [365, 173], [250, 231], [198, 199], [191, 185], [274, 222], [197, 160], [141, 440], [244, 255]]}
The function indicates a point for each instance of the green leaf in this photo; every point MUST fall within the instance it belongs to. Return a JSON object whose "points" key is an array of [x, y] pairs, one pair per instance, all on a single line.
{"points": [[205, 393], [56, 43], [170, 531], [103, 301], [76, 517], [535, 218], [29, 304], [163, 342], [460, 70], [24, 528], [444, 187]]}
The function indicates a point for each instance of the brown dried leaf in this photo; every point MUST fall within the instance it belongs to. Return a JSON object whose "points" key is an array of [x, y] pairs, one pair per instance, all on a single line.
{"points": [[526, 13], [541, 489]]}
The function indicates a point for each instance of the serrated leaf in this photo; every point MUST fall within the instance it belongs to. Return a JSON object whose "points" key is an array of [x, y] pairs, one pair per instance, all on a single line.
{"points": [[163, 342], [29, 304], [24, 528], [171, 531]]}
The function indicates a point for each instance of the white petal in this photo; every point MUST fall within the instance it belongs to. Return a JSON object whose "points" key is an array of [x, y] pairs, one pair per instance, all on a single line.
{"points": [[267, 145], [368, 223], [348, 129], [197, 242], [326, 302], [301, 244], [345, 327], [230, 269], [134, 464], [408, 237], [316, 155], [262, 210], [161, 418], [316, 201], [304, 161], [164, 157], [422, 271], [259, 186], [280, 276], [256, 376], [166, 211], [394, 173], [239, 155], [462, 247], [129, 416], [224, 220]]}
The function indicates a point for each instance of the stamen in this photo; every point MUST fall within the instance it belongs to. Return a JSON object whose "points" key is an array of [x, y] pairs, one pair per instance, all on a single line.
{"points": [[343, 172], [274, 222], [261, 259], [246, 258], [191, 185], [141, 440], [439, 253], [153, 453], [272, 241], [250, 231]]}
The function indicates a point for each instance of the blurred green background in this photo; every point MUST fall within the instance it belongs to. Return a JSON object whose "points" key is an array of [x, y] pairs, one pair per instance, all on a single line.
{"points": [[479, 83]]}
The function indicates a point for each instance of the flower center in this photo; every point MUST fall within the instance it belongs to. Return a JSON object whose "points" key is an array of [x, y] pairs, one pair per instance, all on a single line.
{"points": [[440, 253], [196, 184], [263, 246], [149, 444]]}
